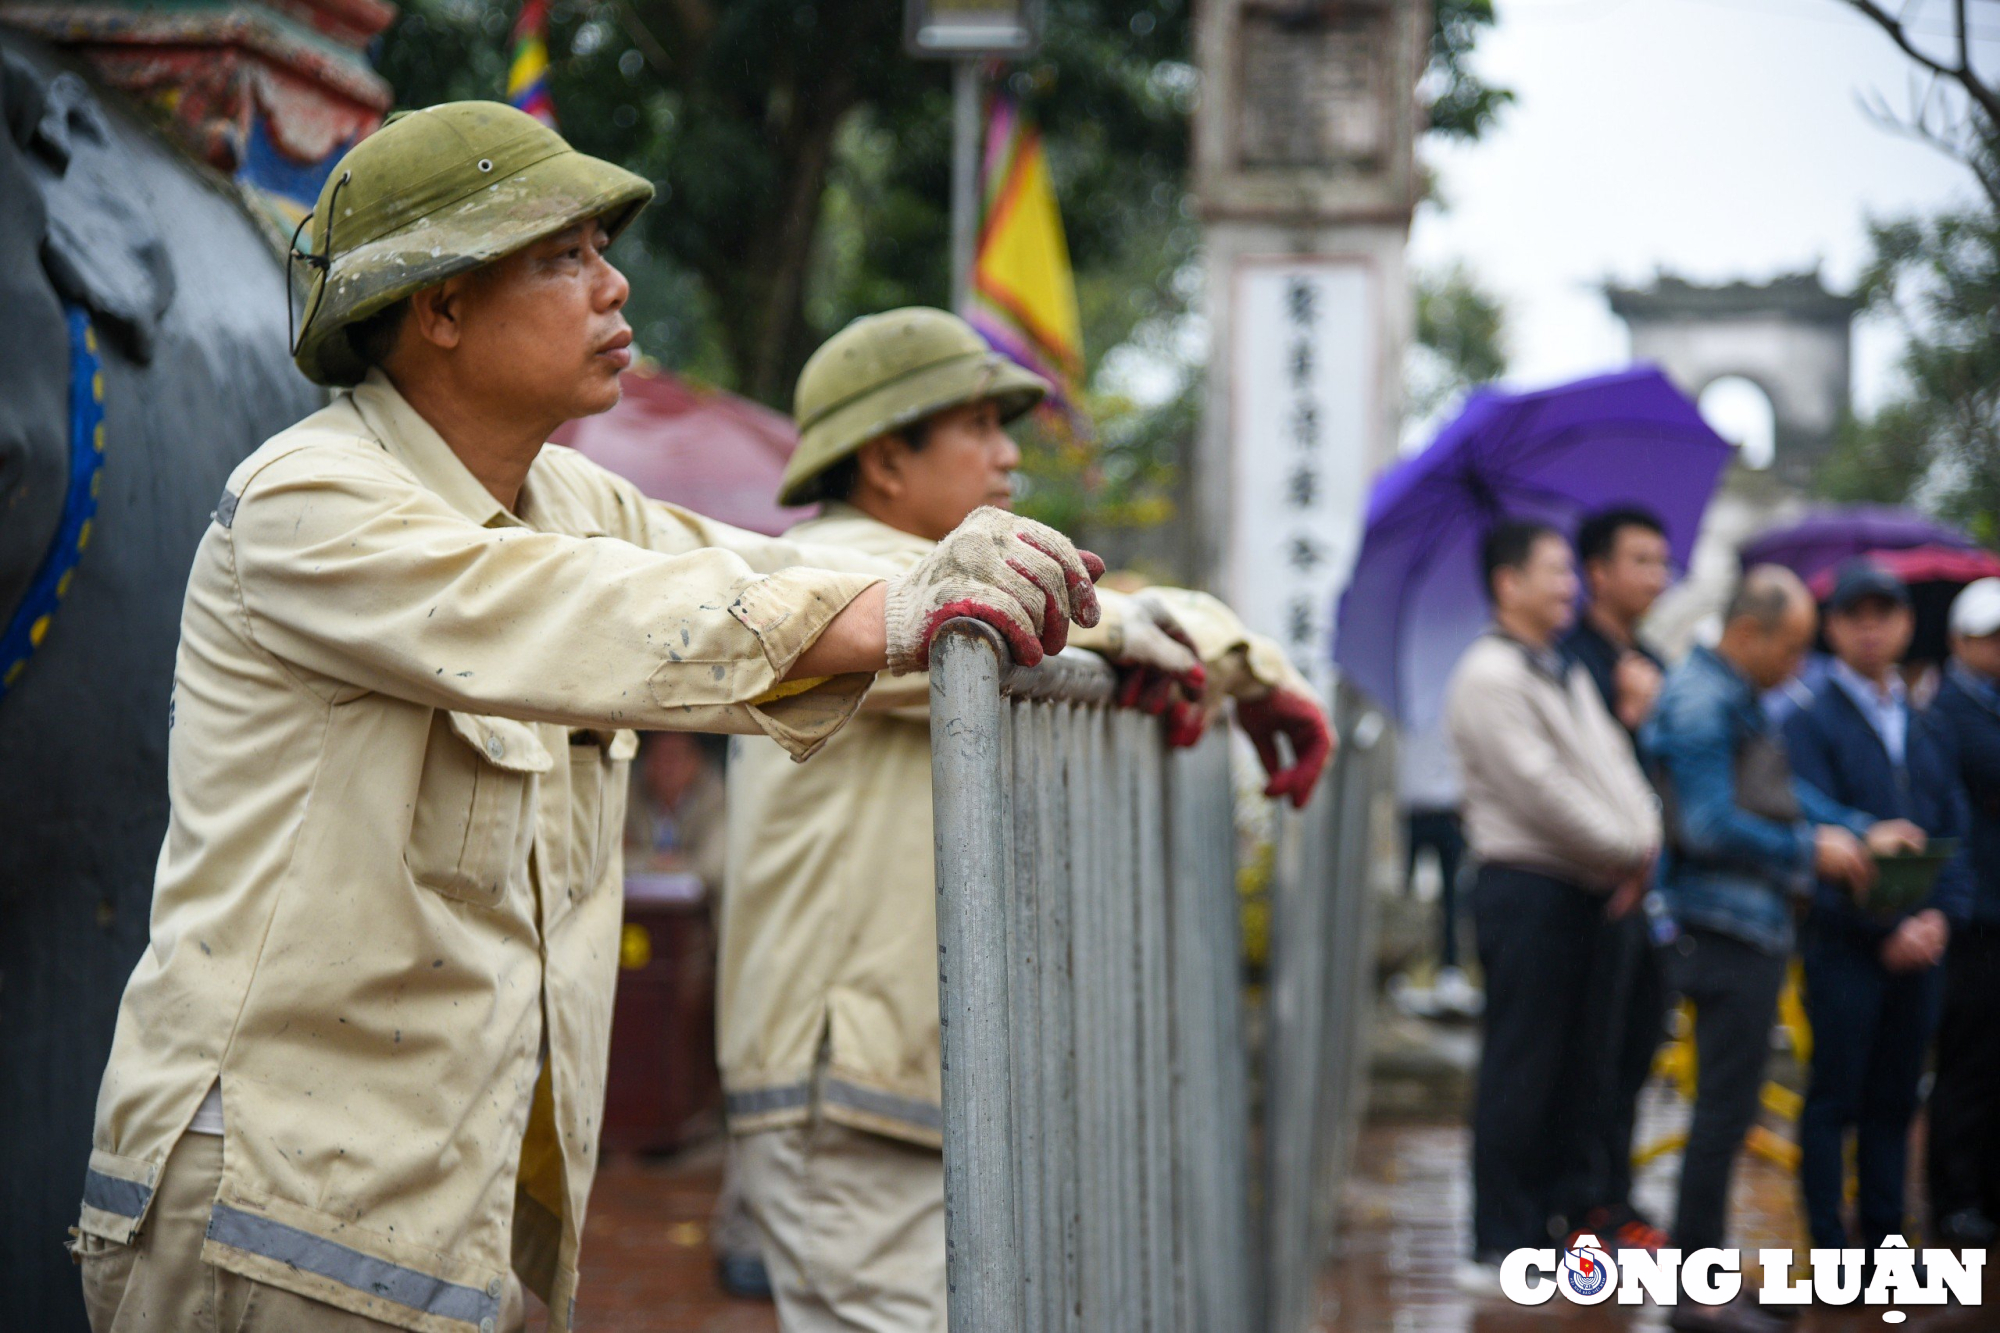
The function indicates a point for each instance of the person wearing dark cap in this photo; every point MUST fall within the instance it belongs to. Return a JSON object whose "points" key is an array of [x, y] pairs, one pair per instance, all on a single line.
{"points": [[1964, 1139], [1872, 976]]}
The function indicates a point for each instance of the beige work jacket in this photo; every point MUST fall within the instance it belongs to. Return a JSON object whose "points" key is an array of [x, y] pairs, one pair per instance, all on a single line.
{"points": [[829, 924], [386, 912], [829, 910]]}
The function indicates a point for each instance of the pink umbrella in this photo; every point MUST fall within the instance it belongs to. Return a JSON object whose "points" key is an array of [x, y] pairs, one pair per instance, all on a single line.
{"points": [[702, 449]]}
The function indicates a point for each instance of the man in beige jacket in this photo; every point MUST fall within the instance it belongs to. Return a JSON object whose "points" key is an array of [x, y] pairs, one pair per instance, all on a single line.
{"points": [[828, 1003], [1562, 822], [357, 1075]]}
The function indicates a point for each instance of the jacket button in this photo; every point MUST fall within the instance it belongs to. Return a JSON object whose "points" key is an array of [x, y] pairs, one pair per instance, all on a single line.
{"points": [[495, 747], [486, 1324], [493, 1288]]}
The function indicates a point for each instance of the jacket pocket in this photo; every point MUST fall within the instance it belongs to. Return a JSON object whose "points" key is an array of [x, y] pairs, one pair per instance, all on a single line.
{"points": [[475, 816], [598, 773]]}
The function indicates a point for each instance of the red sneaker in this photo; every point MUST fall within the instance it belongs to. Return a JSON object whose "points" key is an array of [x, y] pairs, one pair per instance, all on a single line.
{"points": [[1639, 1234]]}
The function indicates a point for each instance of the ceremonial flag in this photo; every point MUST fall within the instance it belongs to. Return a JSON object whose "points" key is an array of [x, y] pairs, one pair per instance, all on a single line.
{"points": [[1022, 296], [528, 76]]}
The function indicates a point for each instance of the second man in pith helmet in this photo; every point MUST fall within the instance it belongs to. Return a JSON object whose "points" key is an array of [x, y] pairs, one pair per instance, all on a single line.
{"points": [[828, 995]]}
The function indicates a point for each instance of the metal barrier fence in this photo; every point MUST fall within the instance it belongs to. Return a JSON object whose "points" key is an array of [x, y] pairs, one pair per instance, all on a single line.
{"points": [[1095, 1091], [1101, 1173]]}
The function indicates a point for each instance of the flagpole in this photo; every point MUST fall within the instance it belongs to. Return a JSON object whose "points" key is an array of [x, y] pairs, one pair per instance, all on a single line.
{"points": [[964, 174]]}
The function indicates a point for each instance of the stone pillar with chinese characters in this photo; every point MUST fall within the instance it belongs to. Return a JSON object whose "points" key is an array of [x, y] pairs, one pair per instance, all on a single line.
{"points": [[1305, 176]]}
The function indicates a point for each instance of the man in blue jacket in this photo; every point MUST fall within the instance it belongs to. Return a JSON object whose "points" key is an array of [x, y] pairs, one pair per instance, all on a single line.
{"points": [[1743, 840], [1964, 1165], [1872, 978]]}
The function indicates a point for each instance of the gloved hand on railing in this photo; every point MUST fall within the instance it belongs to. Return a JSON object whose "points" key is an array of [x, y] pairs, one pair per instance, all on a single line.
{"points": [[1297, 716], [1272, 698], [1021, 577], [1159, 668]]}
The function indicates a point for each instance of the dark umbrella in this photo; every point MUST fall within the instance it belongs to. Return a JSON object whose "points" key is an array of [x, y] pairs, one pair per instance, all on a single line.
{"points": [[1825, 537], [1935, 575], [1415, 599]]}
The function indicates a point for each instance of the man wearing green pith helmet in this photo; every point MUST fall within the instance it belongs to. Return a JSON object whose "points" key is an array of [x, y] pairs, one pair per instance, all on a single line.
{"points": [[357, 1074], [827, 997]]}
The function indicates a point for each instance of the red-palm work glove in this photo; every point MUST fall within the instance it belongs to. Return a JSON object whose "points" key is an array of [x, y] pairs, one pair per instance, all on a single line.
{"points": [[1160, 673], [1302, 722], [1021, 577]]}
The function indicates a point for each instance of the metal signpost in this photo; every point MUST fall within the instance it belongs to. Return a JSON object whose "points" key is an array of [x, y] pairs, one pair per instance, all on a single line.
{"points": [[966, 32]]}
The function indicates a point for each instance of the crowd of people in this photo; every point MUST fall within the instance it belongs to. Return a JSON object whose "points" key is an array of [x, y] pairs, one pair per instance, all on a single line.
{"points": [[1645, 832]]}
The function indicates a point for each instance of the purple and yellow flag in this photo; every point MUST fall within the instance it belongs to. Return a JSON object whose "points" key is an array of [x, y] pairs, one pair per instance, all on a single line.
{"points": [[1022, 296], [528, 76]]}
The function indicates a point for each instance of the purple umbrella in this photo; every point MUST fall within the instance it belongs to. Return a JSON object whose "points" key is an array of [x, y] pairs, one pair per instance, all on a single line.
{"points": [[1825, 537], [1415, 600]]}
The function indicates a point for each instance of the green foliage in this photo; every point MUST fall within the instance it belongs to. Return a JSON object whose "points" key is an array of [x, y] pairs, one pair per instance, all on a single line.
{"points": [[1462, 105], [803, 168], [1938, 442], [1460, 340]]}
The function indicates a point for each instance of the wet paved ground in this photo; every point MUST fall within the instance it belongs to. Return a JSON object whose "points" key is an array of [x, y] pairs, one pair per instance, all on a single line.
{"points": [[1408, 1214], [647, 1267]]}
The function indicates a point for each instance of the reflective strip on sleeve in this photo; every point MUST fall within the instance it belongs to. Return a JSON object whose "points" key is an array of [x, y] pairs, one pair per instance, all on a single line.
{"points": [[109, 1194], [763, 1101], [363, 1272], [870, 1101]]}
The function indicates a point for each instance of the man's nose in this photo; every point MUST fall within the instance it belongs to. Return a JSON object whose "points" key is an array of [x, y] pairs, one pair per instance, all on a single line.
{"points": [[613, 288], [1009, 457]]}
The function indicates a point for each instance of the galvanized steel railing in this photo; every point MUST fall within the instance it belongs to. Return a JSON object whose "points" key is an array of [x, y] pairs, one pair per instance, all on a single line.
{"points": [[1096, 1090], [1101, 1170]]}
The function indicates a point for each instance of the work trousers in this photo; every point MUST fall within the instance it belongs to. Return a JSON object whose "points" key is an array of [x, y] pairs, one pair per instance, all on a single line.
{"points": [[1535, 937], [1733, 987], [159, 1284], [1442, 833], [1963, 1163], [1870, 1030], [1624, 1021], [852, 1226]]}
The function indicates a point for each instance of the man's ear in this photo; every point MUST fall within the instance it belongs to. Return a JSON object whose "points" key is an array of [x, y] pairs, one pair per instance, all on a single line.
{"points": [[881, 462], [436, 312]]}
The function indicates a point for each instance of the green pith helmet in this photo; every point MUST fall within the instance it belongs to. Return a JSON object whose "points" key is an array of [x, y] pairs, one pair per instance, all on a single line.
{"points": [[434, 193], [884, 372]]}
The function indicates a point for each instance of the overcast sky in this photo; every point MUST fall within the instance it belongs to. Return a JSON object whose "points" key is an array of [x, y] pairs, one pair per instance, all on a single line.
{"points": [[1717, 139]]}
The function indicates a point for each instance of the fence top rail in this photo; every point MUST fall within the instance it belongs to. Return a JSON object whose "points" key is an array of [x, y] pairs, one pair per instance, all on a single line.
{"points": [[1071, 676]]}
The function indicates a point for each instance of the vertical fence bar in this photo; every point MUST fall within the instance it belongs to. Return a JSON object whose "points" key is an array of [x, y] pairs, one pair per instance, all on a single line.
{"points": [[1294, 1063], [1126, 1140], [1156, 1104], [1060, 1306], [1024, 1028], [1211, 1084], [1091, 797], [982, 1255]]}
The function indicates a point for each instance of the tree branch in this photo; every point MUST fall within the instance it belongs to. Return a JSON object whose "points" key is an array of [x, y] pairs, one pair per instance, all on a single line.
{"points": [[643, 38], [1962, 73]]}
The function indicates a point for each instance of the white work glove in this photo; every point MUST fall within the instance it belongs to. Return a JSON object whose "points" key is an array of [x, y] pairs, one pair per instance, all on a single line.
{"points": [[1021, 577]]}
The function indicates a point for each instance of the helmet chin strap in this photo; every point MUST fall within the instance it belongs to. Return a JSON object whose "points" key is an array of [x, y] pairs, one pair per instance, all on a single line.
{"points": [[323, 261]]}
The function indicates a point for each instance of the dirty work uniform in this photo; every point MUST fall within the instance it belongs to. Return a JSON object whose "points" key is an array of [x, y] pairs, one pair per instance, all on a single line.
{"points": [[386, 913], [827, 998]]}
